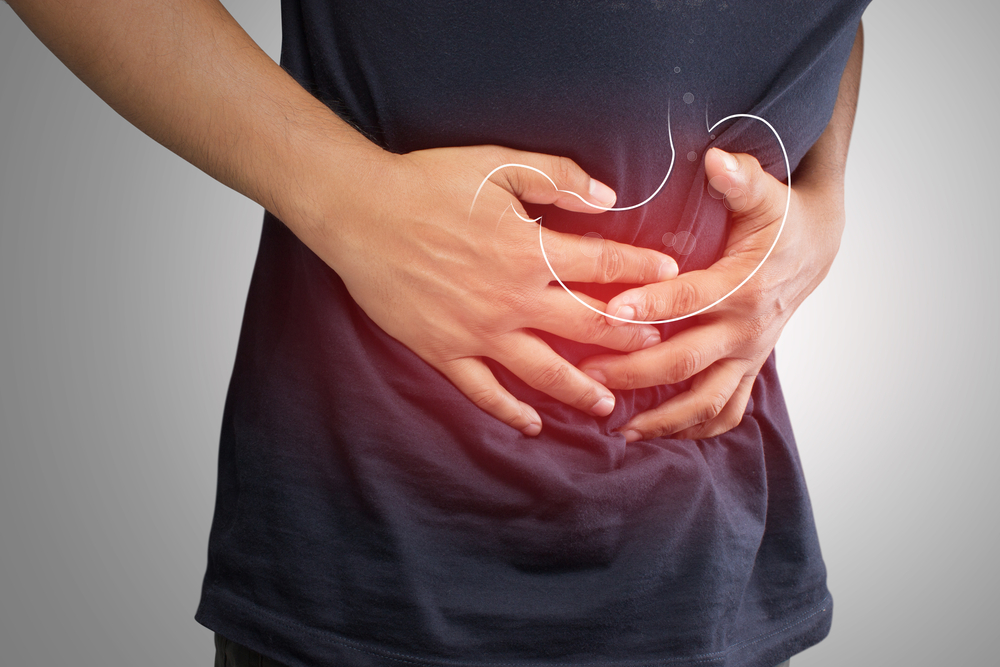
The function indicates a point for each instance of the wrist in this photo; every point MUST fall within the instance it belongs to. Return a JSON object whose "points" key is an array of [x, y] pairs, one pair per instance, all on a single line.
{"points": [[821, 222], [325, 182]]}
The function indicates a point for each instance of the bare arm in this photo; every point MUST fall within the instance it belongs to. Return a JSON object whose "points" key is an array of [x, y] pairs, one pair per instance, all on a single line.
{"points": [[396, 228], [826, 162], [185, 73]]}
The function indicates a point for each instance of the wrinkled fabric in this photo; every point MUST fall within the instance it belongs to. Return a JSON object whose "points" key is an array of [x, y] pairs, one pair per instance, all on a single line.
{"points": [[368, 514]]}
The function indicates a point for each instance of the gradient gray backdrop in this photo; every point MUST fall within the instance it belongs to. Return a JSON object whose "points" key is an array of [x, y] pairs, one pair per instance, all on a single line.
{"points": [[123, 272]]}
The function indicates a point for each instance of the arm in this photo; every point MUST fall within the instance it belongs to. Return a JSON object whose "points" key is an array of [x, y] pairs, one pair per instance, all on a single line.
{"points": [[725, 350], [396, 228], [188, 76]]}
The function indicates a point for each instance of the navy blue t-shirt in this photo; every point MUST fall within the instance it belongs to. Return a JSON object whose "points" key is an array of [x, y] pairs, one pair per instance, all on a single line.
{"points": [[369, 514]]}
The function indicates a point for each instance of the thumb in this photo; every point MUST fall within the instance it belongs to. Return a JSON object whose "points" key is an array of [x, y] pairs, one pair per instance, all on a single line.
{"points": [[537, 178], [747, 190]]}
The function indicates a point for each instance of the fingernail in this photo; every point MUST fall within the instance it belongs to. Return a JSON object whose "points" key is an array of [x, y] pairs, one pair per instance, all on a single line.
{"points": [[632, 436], [732, 164], [596, 375], [654, 339], [601, 193], [625, 313], [604, 407], [668, 270], [534, 426]]}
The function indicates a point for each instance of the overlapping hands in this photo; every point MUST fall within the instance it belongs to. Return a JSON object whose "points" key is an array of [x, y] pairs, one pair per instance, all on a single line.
{"points": [[455, 291]]}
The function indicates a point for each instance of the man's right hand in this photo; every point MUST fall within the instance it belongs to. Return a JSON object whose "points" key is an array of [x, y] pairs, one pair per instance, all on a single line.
{"points": [[397, 229], [457, 286]]}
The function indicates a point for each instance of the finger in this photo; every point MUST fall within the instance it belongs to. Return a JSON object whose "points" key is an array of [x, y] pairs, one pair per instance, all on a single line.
{"points": [[749, 192], [590, 259], [676, 359], [684, 296], [755, 200], [474, 379], [531, 359], [561, 315], [707, 398], [728, 419], [549, 179]]}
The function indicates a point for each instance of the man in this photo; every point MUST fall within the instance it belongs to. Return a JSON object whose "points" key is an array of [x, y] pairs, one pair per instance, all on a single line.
{"points": [[463, 290]]}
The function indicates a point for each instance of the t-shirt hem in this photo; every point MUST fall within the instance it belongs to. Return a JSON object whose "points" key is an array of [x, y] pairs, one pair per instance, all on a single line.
{"points": [[298, 645]]}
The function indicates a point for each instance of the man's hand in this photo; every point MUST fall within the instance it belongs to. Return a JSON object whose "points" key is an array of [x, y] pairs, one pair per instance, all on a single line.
{"points": [[723, 352], [726, 348], [397, 229], [456, 286]]}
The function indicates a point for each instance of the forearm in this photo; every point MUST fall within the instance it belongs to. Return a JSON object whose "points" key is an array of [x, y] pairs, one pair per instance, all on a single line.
{"points": [[825, 163], [186, 74], [422, 265]]}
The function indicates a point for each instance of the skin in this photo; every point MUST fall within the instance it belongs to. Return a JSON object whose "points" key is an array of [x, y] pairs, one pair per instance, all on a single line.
{"points": [[438, 279], [725, 350]]}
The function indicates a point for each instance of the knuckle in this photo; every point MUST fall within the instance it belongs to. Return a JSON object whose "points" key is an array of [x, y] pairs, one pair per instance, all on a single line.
{"points": [[596, 328], [744, 336], [657, 305], [520, 179], [566, 171], [627, 337], [756, 293], [731, 421], [665, 427], [627, 377], [651, 268], [550, 375], [639, 265], [635, 336], [511, 300], [643, 267], [586, 399], [513, 178], [686, 362], [491, 400], [715, 403], [653, 431], [612, 263], [702, 432], [683, 299], [719, 426], [760, 188], [754, 329]]}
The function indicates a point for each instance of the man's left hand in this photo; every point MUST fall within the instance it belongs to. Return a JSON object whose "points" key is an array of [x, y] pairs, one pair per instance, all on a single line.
{"points": [[725, 349]]}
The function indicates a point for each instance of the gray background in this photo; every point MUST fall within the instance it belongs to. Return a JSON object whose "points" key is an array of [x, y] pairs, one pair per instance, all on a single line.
{"points": [[123, 272]]}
